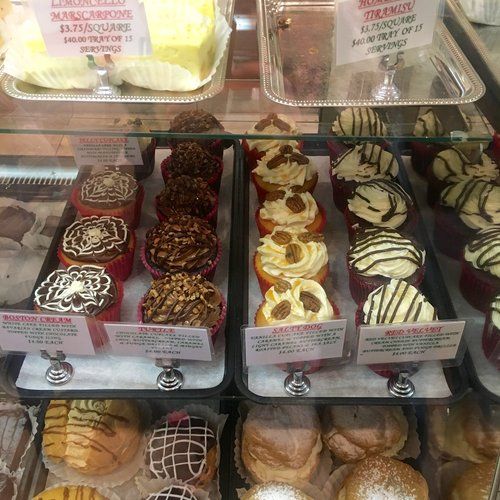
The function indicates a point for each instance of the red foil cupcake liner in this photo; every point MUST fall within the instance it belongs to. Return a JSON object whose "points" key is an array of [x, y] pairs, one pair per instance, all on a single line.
{"points": [[450, 234], [478, 287], [109, 315], [211, 217], [214, 331], [253, 155], [208, 272], [131, 214], [213, 182], [120, 267], [434, 187], [490, 342], [423, 154]]}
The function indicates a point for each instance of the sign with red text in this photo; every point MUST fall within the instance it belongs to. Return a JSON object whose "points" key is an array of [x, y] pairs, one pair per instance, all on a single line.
{"points": [[93, 27], [31, 332], [157, 341], [102, 151], [404, 342], [374, 28], [271, 345]]}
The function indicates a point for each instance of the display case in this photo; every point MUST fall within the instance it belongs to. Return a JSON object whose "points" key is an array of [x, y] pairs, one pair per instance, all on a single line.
{"points": [[254, 288]]}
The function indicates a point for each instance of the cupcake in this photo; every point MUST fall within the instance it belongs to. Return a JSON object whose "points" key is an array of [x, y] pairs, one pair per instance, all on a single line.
{"points": [[181, 243], [378, 255], [480, 277], [362, 163], [183, 299], [290, 253], [112, 193], [88, 290], [463, 209], [491, 332], [355, 122], [69, 492], [191, 158], [186, 195], [281, 167], [296, 301], [273, 124], [198, 121], [381, 204], [185, 448], [286, 207], [451, 166], [102, 241]]}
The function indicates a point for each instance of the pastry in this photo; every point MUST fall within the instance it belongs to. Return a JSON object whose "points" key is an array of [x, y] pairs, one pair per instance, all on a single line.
{"points": [[183, 447], [463, 209], [290, 253], [281, 443], [385, 478], [482, 11], [475, 483], [361, 163], [174, 492], [70, 493], [101, 241], [183, 299], [186, 195], [355, 432], [94, 437], [491, 332], [292, 208], [378, 255], [15, 222], [191, 158], [110, 192], [274, 491], [281, 167], [181, 243]]}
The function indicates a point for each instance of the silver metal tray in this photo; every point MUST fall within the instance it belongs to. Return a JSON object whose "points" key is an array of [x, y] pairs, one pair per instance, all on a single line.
{"points": [[296, 47], [129, 93]]}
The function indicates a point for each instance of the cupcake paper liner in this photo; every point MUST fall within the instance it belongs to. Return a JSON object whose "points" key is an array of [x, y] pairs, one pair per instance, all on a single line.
{"points": [[333, 485], [450, 233], [120, 267], [336, 149], [490, 340], [105, 492], [211, 217], [213, 182], [341, 190], [109, 315], [16, 480], [423, 154], [148, 160], [262, 192], [478, 287]]}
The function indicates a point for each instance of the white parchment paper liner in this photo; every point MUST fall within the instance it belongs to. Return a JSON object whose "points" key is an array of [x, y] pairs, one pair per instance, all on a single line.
{"points": [[105, 492], [147, 484], [115, 478], [319, 477], [335, 482], [15, 476], [447, 474], [150, 486], [150, 73]]}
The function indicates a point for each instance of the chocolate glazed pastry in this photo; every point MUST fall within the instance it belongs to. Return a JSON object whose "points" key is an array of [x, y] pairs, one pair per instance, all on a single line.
{"points": [[15, 435], [173, 493], [15, 222], [185, 449]]}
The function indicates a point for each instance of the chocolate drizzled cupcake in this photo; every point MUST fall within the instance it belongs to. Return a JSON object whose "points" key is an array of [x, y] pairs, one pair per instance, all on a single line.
{"points": [[174, 492]]}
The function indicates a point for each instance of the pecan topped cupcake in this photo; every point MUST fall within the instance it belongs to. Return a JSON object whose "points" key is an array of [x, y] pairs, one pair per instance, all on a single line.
{"points": [[181, 243]]}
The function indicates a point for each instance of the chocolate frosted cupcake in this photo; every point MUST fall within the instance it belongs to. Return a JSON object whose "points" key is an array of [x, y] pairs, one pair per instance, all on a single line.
{"points": [[181, 243], [480, 277], [103, 241], [186, 195], [491, 332], [190, 158], [463, 209], [111, 193], [451, 166], [379, 255], [361, 163], [380, 203]]}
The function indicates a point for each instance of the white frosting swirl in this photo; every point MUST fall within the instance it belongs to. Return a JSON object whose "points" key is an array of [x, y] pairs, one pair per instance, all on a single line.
{"points": [[364, 122], [298, 313], [365, 162], [428, 125], [278, 212], [273, 128], [483, 251]]}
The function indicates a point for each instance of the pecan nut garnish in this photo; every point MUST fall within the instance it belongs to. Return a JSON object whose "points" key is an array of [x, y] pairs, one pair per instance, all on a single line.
{"points": [[297, 189], [282, 286], [310, 301], [293, 253], [281, 310], [295, 204], [279, 194], [308, 237], [282, 125], [276, 161], [286, 149], [281, 237]]}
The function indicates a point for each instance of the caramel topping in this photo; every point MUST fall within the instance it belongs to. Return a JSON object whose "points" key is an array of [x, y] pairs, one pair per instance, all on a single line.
{"points": [[293, 253], [281, 237], [295, 204], [281, 310], [310, 301]]}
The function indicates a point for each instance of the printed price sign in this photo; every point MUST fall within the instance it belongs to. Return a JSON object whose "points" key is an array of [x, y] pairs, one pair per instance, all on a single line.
{"points": [[30, 332], [271, 345], [373, 28], [93, 150], [93, 27], [156, 341], [401, 343]]}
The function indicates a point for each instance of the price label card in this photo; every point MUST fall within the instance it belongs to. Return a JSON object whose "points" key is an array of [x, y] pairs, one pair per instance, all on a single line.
{"points": [[374, 28], [93, 150], [401, 343], [30, 332], [156, 341], [271, 345], [93, 27]]}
